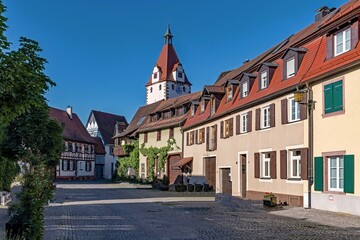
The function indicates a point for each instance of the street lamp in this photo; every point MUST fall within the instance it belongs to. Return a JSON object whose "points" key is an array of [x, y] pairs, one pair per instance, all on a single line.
{"points": [[299, 97]]}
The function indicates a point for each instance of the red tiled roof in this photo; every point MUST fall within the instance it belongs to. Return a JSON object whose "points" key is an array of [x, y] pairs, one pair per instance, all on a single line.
{"points": [[99, 148], [314, 65], [168, 61], [106, 123], [74, 130], [214, 89]]}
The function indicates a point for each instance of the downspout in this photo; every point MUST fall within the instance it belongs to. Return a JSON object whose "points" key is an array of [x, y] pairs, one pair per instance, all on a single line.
{"points": [[311, 107]]}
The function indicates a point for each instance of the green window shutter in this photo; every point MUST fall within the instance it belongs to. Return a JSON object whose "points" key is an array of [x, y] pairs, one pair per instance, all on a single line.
{"points": [[349, 173], [328, 98], [318, 174], [338, 96]]}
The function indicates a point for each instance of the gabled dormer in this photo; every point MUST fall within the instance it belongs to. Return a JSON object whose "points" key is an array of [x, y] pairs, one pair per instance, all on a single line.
{"points": [[178, 73], [230, 88], [246, 84], [156, 74], [203, 103], [292, 59], [194, 106], [266, 72]]}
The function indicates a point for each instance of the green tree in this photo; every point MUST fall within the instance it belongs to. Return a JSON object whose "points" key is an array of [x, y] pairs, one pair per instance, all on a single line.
{"points": [[132, 161]]}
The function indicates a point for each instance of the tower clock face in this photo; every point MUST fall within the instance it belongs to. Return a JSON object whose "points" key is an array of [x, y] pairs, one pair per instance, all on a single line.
{"points": [[178, 89]]}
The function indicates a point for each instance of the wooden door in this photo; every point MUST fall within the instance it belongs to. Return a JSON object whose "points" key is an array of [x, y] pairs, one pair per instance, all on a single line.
{"points": [[210, 170], [243, 175], [173, 172], [225, 181]]}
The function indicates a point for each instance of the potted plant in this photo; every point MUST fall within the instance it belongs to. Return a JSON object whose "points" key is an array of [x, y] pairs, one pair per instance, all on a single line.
{"points": [[180, 187], [207, 188], [198, 187], [270, 200], [190, 187], [164, 185]]}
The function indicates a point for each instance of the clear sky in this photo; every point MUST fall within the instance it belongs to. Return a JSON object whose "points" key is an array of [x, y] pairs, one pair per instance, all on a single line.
{"points": [[101, 53]]}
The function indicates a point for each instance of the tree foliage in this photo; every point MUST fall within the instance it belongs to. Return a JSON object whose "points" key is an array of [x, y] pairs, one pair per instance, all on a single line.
{"points": [[132, 161], [157, 154]]}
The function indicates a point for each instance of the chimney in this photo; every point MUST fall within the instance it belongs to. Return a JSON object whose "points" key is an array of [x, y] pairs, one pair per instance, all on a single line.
{"points": [[322, 12], [69, 111]]}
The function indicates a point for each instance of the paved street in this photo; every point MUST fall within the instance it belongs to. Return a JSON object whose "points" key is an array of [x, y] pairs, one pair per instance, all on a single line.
{"points": [[122, 211]]}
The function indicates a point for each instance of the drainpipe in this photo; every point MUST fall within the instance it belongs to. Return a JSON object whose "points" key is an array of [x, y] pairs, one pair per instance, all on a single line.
{"points": [[311, 107]]}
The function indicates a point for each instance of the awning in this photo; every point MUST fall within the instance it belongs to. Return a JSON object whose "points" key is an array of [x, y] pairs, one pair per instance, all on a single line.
{"points": [[183, 162]]}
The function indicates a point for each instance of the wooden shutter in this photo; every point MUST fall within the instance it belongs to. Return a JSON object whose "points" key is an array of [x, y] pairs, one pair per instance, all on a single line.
{"points": [[304, 163], [303, 108], [338, 96], [354, 34], [207, 138], [272, 115], [249, 121], [62, 165], [196, 137], [215, 137], [231, 127], [283, 164], [222, 129], [328, 98], [349, 173], [318, 174], [237, 125], [257, 165], [273, 164], [284, 111], [329, 47], [257, 119], [187, 139], [203, 135]]}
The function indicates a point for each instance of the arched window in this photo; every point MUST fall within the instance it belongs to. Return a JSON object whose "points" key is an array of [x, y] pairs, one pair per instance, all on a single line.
{"points": [[184, 89], [159, 87], [173, 87], [151, 89]]}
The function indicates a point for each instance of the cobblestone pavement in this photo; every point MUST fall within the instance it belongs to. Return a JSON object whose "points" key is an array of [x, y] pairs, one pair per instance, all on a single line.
{"points": [[121, 211]]}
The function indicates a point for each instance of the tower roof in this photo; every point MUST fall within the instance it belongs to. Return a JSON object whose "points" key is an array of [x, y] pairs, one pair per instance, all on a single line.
{"points": [[168, 61], [168, 36]]}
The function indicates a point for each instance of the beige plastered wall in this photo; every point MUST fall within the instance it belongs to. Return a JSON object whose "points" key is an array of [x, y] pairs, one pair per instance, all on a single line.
{"points": [[280, 137], [152, 141], [339, 133]]}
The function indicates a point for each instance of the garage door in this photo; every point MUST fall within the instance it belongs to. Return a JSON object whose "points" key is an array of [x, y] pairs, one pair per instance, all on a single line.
{"points": [[173, 173]]}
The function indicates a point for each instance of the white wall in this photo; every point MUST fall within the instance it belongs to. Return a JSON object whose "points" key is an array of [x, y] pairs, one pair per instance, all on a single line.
{"points": [[156, 94], [108, 160]]}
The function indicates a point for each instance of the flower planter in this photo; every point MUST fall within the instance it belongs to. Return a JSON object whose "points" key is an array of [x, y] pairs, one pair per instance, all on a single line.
{"points": [[190, 187], [180, 188], [198, 187], [270, 201], [207, 188]]}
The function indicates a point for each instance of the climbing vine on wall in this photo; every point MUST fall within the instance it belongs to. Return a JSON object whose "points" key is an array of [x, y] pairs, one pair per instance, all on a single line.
{"points": [[157, 153]]}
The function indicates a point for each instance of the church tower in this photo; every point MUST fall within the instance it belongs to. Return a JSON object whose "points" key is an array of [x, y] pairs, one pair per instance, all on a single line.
{"points": [[168, 78]]}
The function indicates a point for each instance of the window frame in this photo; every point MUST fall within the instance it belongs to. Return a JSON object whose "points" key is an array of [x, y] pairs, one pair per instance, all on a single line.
{"points": [[287, 61], [244, 122], [265, 158], [265, 117], [202, 106], [243, 92], [335, 38], [264, 80], [297, 159], [297, 113], [229, 93], [337, 167]]}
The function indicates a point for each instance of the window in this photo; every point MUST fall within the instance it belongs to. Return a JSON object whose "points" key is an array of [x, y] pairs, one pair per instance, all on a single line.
{"points": [[159, 87], [243, 123], [265, 117], [193, 110], [336, 173], [290, 68], [333, 97], [202, 106], [71, 165], [227, 128], [212, 106], [229, 93], [180, 75], [167, 114], [264, 79], [66, 146], [191, 137], [143, 167], [158, 137], [200, 140], [294, 110], [171, 132], [145, 137], [295, 164], [342, 41], [155, 75], [65, 165], [151, 89], [245, 89], [184, 89], [265, 165], [172, 86], [88, 166], [180, 111]]}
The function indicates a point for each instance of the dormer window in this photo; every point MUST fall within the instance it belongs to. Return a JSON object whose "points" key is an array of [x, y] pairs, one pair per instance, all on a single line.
{"points": [[212, 106], [290, 68], [264, 80], [245, 89], [193, 110], [202, 106], [292, 61], [155, 75], [342, 41], [180, 74], [229, 93]]}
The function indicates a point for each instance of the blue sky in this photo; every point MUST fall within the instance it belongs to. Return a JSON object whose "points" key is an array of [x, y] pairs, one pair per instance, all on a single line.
{"points": [[101, 53]]}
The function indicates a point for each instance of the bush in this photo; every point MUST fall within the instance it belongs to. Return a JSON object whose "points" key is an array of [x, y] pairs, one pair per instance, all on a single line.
{"points": [[165, 180]]}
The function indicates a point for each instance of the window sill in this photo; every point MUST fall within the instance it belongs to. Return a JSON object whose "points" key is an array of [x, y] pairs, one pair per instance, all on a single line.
{"points": [[334, 192], [326, 115], [293, 122], [262, 179], [243, 133], [264, 129]]}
